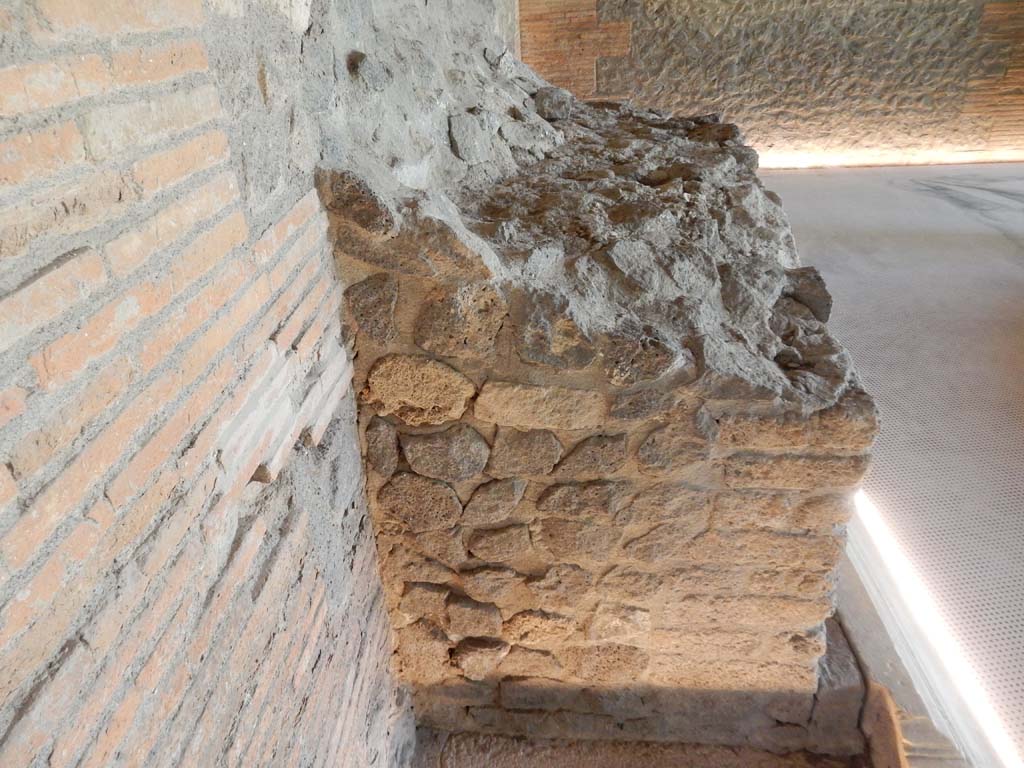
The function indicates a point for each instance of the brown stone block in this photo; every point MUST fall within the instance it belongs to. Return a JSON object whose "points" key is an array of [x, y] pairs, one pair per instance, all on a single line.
{"points": [[538, 628], [663, 503], [527, 407], [523, 453], [501, 545], [454, 454], [419, 503], [417, 390], [572, 541], [594, 457], [469, 618], [461, 321], [761, 614], [493, 502], [753, 470], [562, 586], [606, 663], [782, 512]]}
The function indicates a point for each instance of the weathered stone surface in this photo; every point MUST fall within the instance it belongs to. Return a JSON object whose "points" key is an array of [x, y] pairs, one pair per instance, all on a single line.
{"points": [[372, 304], [423, 653], [421, 504], [563, 586], [494, 584], [501, 545], [663, 503], [382, 447], [553, 103], [471, 135], [834, 727], [751, 470], [594, 457], [457, 453], [530, 662], [523, 453], [807, 286], [775, 614], [608, 663], [783, 512], [538, 628], [674, 446], [637, 357], [645, 404], [445, 546], [666, 540], [461, 322], [572, 541], [478, 658], [546, 335], [620, 623], [417, 390], [401, 564], [528, 407], [808, 553], [469, 618], [423, 601], [597, 498], [493, 502]]}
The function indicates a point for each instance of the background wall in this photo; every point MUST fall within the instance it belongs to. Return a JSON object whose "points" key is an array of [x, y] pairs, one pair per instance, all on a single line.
{"points": [[809, 81]]}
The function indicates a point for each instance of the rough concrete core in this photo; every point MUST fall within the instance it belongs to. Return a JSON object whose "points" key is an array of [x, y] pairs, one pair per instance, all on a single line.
{"points": [[610, 442]]}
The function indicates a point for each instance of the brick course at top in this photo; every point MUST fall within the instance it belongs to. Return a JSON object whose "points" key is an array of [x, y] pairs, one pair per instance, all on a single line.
{"points": [[829, 81]]}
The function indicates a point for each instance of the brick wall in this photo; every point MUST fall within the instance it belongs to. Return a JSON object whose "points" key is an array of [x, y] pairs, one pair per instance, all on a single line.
{"points": [[825, 82], [175, 585]]}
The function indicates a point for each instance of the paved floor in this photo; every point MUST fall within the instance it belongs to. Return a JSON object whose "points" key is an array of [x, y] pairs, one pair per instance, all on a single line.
{"points": [[927, 269]]}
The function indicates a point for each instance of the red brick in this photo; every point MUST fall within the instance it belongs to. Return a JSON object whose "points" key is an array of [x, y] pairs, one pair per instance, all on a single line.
{"points": [[37, 448], [112, 130], [63, 359], [301, 250], [8, 488], [155, 64], [50, 295], [270, 242], [30, 87], [328, 314], [129, 251], [302, 315], [40, 154], [108, 18], [192, 315], [67, 492], [165, 169], [12, 404], [66, 210]]}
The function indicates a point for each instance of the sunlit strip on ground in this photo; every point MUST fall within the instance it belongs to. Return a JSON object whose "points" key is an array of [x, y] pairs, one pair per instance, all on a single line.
{"points": [[925, 613], [782, 159]]}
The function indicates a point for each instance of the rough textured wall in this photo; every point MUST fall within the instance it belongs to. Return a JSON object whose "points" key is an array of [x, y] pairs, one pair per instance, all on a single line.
{"points": [[610, 442], [810, 80]]}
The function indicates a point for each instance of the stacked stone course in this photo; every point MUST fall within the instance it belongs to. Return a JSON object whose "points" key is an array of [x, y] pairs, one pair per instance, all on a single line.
{"points": [[610, 444]]}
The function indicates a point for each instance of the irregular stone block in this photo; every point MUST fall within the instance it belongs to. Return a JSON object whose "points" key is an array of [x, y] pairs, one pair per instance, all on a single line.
{"points": [[673, 447], [563, 586], [417, 390], [751, 470], [423, 654], [493, 502], [798, 649], [783, 512], [553, 103], [807, 553], [445, 546], [501, 545], [806, 285], [401, 564], [638, 357], [774, 614], [494, 584], [472, 135], [518, 453], [382, 447], [349, 197], [371, 303], [608, 663], [478, 657], [538, 628], [537, 694], [596, 498], [423, 601], [645, 404], [663, 542], [594, 457], [662, 503], [468, 618], [457, 453], [572, 541], [620, 623], [419, 503], [529, 407], [461, 322], [529, 662], [546, 335]]}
